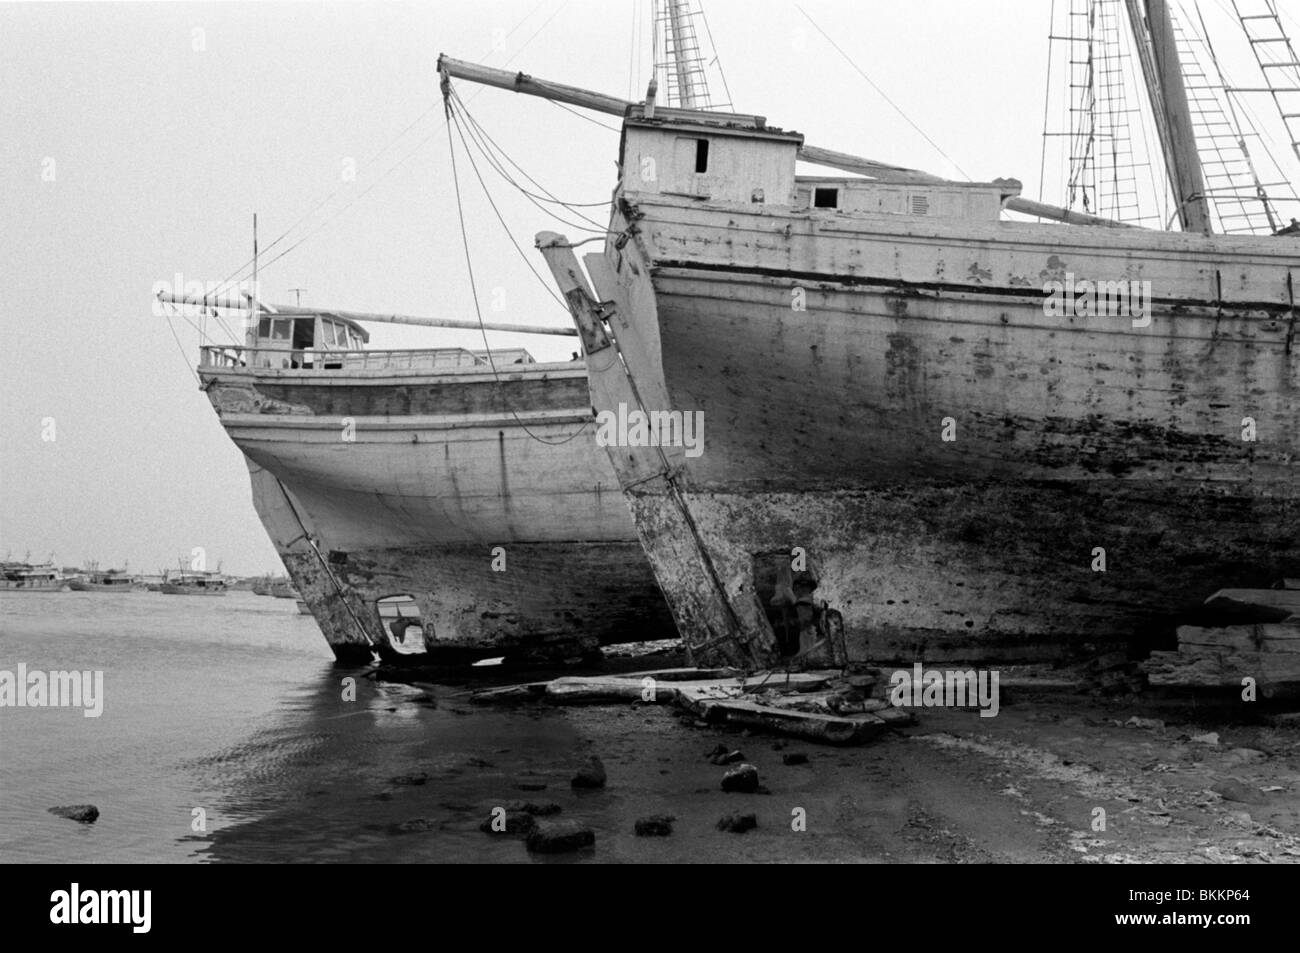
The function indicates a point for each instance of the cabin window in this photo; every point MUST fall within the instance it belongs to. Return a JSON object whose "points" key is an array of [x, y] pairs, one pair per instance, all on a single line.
{"points": [[282, 329], [399, 617], [826, 198], [264, 328], [701, 155]]}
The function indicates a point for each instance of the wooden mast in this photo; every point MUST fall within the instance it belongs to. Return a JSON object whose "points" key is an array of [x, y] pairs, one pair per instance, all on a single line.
{"points": [[362, 317], [523, 83], [1158, 56], [685, 84]]}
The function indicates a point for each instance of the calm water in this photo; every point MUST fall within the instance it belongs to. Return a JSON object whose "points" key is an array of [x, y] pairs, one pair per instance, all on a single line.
{"points": [[233, 705], [190, 683]]}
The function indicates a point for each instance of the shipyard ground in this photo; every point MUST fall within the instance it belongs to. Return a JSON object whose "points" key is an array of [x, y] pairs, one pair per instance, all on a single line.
{"points": [[425, 767], [956, 788]]}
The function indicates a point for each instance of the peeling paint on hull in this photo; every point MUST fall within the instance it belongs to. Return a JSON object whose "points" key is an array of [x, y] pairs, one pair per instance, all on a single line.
{"points": [[824, 422], [436, 478]]}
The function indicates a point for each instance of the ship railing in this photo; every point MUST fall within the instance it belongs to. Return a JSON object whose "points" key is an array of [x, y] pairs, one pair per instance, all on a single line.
{"points": [[316, 359]]}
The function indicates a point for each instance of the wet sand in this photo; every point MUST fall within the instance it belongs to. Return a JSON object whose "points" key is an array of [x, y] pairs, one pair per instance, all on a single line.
{"points": [[955, 788]]}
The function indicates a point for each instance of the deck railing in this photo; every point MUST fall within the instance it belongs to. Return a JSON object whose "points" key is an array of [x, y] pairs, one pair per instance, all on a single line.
{"points": [[315, 359]]}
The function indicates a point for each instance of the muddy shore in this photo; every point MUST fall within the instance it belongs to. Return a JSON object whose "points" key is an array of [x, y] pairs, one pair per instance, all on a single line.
{"points": [[410, 772]]}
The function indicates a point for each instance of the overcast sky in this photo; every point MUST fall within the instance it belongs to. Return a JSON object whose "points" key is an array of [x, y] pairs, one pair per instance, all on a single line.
{"points": [[138, 140]]}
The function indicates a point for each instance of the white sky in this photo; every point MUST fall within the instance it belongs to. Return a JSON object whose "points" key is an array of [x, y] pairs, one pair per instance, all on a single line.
{"points": [[161, 153]]}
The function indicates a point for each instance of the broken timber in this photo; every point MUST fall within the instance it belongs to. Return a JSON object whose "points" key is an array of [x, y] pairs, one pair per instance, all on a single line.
{"points": [[1281, 603], [1268, 653], [789, 703]]}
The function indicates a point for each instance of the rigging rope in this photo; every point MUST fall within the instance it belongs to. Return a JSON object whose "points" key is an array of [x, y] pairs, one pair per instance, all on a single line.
{"points": [[882, 93], [481, 138], [510, 235], [473, 287], [244, 268]]}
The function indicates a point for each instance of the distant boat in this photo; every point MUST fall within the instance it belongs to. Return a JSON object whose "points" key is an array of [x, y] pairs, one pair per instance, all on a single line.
{"points": [[111, 580], [302, 608], [193, 583], [24, 577], [284, 590]]}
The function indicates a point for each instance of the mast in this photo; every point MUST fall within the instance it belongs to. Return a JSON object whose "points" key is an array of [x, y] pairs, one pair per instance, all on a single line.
{"points": [[250, 335], [361, 317], [523, 83], [1158, 55]]}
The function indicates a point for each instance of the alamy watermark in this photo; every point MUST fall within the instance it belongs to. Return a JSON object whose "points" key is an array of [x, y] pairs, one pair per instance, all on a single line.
{"points": [[38, 689], [199, 295], [931, 688], [74, 906], [657, 428], [1071, 297]]}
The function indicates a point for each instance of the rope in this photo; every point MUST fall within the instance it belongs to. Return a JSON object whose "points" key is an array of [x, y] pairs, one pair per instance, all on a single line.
{"points": [[481, 138], [510, 235], [473, 287], [882, 93], [370, 161], [181, 348]]}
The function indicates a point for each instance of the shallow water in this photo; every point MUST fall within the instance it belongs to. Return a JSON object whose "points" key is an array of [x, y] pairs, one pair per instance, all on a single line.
{"points": [[232, 706], [188, 683]]}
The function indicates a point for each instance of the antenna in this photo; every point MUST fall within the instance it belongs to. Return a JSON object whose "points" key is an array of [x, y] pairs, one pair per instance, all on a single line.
{"points": [[250, 335], [297, 296]]}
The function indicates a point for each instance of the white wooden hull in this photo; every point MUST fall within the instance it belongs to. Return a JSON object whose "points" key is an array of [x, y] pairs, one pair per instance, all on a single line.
{"points": [[824, 426], [500, 517]]}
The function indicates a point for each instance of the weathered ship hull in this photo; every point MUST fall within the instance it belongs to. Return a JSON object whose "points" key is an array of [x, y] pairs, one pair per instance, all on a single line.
{"points": [[831, 354], [487, 502]]}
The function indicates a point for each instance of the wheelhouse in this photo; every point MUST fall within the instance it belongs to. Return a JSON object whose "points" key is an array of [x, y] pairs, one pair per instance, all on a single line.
{"points": [[293, 341]]}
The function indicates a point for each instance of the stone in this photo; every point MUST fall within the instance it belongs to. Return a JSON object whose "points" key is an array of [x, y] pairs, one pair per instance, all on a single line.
{"points": [[741, 779], [794, 757], [737, 823], [656, 825], [536, 810], [516, 822], [1232, 790], [83, 813], [590, 775], [559, 837], [1209, 738], [727, 757]]}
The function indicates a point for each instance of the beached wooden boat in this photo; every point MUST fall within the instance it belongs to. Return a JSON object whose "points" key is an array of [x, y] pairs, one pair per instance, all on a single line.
{"points": [[918, 406], [467, 482]]}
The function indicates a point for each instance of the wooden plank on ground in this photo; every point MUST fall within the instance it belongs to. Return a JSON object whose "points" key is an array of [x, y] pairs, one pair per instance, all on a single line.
{"points": [[1282, 601]]}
